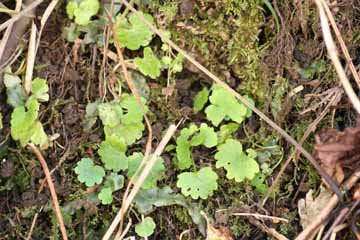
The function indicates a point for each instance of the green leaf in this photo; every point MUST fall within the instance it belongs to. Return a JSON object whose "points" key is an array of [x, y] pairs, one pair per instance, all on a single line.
{"points": [[149, 65], [23, 122], [177, 64], [110, 113], [15, 96], [89, 173], [141, 84], [146, 200], [134, 112], [11, 80], [14, 91], [39, 89], [130, 132], [201, 99], [146, 227], [83, 11], [318, 66], [114, 181], [183, 145], [133, 33], [226, 131], [112, 152], [105, 196], [224, 105], [206, 137], [258, 183], [238, 165], [90, 115], [39, 136], [155, 174], [198, 184], [70, 9]]}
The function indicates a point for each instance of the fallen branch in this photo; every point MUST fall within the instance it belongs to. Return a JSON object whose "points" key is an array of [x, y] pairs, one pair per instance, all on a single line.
{"points": [[52, 190]]}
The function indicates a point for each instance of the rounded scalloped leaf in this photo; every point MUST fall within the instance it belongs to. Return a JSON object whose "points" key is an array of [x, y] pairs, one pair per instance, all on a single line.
{"points": [[105, 196], [146, 227], [198, 184], [132, 32], [89, 173], [237, 164], [224, 105], [149, 65], [112, 152]]}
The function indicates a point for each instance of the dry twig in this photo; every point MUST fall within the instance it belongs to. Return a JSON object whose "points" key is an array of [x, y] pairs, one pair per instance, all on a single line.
{"points": [[24, 12], [52, 190], [30, 59], [332, 51], [342, 43]]}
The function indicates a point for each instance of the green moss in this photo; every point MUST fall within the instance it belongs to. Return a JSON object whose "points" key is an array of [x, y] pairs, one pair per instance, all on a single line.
{"points": [[234, 49]]}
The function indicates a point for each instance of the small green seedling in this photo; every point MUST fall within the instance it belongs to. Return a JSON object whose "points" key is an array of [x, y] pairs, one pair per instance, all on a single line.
{"points": [[112, 153], [149, 65], [191, 137], [198, 184], [123, 118], [82, 10], [132, 32], [238, 164], [201, 99], [25, 125], [225, 106], [89, 173], [146, 227]]}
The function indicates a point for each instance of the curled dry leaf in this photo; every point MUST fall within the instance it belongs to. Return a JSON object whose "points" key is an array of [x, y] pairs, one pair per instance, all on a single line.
{"points": [[337, 150], [309, 207], [213, 233]]}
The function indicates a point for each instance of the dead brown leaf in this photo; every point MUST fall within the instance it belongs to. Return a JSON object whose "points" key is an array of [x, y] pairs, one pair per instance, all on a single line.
{"points": [[337, 150], [213, 233]]}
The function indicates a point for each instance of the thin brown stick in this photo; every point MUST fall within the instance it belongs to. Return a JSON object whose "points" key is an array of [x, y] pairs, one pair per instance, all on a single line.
{"points": [[342, 43], [52, 190], [33, 223], [30, 62], [50, 8], [322, 216], [333, 101], [169, 133], [217, 80], [20, 14], [333, 55], [261, 216], [135, 92]]}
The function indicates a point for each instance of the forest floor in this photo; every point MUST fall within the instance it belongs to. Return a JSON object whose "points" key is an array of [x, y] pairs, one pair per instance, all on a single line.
{"points": [[216, 175]]}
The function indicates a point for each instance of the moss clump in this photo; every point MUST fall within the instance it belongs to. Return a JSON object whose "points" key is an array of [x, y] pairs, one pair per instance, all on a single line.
{"points": [[233, 51]]}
